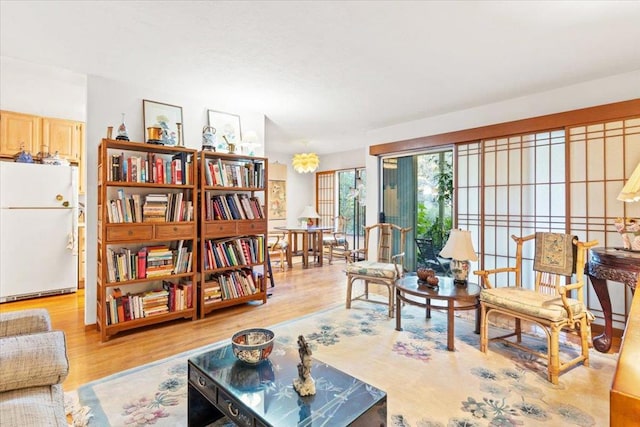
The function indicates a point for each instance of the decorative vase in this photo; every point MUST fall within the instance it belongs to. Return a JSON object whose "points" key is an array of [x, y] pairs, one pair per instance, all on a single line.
{"points": [[460, 270], [180, 141], [123, 135]]}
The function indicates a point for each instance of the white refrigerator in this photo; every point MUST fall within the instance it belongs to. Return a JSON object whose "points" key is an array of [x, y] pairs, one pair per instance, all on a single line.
{"points": [[38, 230]]}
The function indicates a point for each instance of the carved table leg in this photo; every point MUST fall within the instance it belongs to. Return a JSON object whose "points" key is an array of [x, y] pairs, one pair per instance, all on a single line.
{"points": [[602, 342]]}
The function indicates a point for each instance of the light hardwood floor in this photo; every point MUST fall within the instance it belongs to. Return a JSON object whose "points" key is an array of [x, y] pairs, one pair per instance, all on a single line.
{"points": [[297, 292]]}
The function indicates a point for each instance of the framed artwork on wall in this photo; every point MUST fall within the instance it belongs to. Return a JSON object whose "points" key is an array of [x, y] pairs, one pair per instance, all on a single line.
{"points": [[277, 199], [227, 127], [162, 123]]}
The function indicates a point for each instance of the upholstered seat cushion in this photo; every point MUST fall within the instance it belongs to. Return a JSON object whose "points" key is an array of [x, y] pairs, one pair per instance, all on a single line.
{"points": [[33, 407], [373, 269], [531, 303], [330, 240]]}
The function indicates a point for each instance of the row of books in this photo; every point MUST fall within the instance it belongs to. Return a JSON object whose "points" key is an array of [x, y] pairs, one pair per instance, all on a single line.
{"points": [[232, 206], [125, 264], [229, 173], [232, 284], [172, 297], [152, 168], [168, 207], [233, 252]]}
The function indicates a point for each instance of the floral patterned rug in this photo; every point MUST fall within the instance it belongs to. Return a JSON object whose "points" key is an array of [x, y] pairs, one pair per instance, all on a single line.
{"points": [[426, 385]]}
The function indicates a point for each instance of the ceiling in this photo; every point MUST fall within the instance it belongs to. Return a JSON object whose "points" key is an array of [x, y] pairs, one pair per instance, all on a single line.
{"points": [[325, 72]]}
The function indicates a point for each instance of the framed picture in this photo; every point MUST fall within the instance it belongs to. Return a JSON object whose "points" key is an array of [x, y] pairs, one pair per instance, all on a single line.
{"points": [[165, 121], [277, 199], [226, 125]]}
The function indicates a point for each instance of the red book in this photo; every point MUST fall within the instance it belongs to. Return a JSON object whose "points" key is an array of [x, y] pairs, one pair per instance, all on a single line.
{"points": [[159, 171], [142, 263]]}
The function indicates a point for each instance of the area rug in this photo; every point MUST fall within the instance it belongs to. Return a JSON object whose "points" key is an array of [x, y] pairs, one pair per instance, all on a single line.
{"points": [[426, 385]]}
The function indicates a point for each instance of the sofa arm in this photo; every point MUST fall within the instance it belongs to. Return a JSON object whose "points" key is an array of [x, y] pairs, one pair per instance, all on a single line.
{"points": [[33, 360], [24, 322]]}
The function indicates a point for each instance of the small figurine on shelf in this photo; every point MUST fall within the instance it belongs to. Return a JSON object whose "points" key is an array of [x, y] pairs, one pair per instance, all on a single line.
{"points": [[123, 135], [305, 385], [180, 141], [23, 156]]}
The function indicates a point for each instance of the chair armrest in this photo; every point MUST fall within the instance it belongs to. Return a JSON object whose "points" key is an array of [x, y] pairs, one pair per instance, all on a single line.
{"points": [[398, 260], [33, 360], [484, 275], [24, 322]]}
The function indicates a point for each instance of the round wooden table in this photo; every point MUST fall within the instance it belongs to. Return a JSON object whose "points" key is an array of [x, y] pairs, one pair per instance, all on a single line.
{"points": [[409, 289]]}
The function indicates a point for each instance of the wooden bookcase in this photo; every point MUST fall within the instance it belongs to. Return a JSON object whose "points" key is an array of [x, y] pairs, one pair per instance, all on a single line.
{"points": [[232, 249], [147, 254]]}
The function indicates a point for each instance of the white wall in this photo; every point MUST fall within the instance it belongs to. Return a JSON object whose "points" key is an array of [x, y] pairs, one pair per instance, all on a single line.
{"points": [[42, 90]]}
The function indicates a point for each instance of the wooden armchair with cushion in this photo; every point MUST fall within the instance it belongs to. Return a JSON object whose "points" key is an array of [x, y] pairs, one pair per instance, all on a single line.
{"points": [[546, 301], [382, 267], [335, 243]]}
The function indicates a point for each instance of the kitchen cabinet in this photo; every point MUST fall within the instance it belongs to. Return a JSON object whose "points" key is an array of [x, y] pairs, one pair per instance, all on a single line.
{"points": [[63, 137], [37, 134], [19, 131]]}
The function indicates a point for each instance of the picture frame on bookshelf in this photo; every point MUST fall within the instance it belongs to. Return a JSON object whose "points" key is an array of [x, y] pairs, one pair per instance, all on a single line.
{"points": [[162, 122], [227, 126]]}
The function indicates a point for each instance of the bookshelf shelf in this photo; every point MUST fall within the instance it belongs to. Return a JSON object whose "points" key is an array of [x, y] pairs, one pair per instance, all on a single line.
{"points": [[232, 230], [147, 235]]}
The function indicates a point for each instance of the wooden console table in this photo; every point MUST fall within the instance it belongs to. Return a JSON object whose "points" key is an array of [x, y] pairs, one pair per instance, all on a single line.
{"points": [[611, 264]]}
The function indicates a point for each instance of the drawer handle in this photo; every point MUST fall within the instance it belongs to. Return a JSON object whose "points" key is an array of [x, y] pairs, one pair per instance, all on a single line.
{"points": [[201, 381], [130, 232], [175, 228], [232, 410]]}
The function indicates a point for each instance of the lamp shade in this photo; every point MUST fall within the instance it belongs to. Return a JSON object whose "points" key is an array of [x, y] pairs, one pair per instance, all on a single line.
{"points": [[308, 213], [305, 162], [459, 246], [631, 190]]}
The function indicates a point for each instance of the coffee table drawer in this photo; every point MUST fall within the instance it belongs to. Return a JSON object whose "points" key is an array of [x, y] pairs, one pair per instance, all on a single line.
{"points": [[204, 385], [234, 410]]}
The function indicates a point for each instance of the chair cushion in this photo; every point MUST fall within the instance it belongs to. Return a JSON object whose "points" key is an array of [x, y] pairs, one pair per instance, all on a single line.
{"points": [[333, 241], [530, 302], [373, 269]]}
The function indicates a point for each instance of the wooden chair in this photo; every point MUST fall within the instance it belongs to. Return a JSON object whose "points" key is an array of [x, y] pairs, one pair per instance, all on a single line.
{"points": [[546, 301], [384, 269], [277, 247], [336, 241]]}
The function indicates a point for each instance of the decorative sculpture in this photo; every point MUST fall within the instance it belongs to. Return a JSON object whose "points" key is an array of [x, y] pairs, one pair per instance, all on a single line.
{"points": [[305, 385]]}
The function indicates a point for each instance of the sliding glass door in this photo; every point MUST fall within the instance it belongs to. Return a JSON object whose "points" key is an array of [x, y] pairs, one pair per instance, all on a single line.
{"points": [[417, 192]]}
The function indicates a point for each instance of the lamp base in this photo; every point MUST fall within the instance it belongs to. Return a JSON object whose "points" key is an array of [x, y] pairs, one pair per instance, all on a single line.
{"points": [[460, 270]]}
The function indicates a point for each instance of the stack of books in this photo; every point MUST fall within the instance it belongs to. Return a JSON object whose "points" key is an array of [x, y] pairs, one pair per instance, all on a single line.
{"points": [[155, 302], [155, 207], [159, 261]]}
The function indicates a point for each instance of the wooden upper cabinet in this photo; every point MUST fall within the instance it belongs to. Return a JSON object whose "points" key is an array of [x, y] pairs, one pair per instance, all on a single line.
{"points": [[63, 137], [17, 132]]}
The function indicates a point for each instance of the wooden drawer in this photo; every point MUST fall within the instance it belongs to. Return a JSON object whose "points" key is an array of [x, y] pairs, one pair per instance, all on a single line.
{"points": [[222, 228], [252, 227], [128, 232], [175, 231], [202, 383]]}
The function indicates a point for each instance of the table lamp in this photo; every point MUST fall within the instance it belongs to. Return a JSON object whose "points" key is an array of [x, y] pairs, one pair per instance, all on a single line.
{"points": [[307, 216], [629, 228], [459, 248]]}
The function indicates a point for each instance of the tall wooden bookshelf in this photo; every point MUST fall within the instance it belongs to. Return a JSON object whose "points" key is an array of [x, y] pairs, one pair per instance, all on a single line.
{"points": [[147, 235], [232, 230]]}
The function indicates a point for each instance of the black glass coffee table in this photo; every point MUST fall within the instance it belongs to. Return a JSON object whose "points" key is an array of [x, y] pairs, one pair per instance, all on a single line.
{"points": [[263, 395]]}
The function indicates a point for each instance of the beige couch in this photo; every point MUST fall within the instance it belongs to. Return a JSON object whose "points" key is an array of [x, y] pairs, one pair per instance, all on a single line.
{"points": [[33, 364]]}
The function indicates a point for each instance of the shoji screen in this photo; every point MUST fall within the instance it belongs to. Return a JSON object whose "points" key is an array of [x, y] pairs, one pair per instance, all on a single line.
{"points": [[602, 157], [511, 186], [325, 197]]}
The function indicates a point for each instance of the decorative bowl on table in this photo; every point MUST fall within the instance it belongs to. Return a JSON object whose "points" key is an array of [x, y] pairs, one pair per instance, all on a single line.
{"points": [[427, 276], [252, 345]]}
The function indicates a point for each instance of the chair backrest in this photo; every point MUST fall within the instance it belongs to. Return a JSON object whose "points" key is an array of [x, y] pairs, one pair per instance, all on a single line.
{"points": [[340, 224], [388, 235], [547, 277]]}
